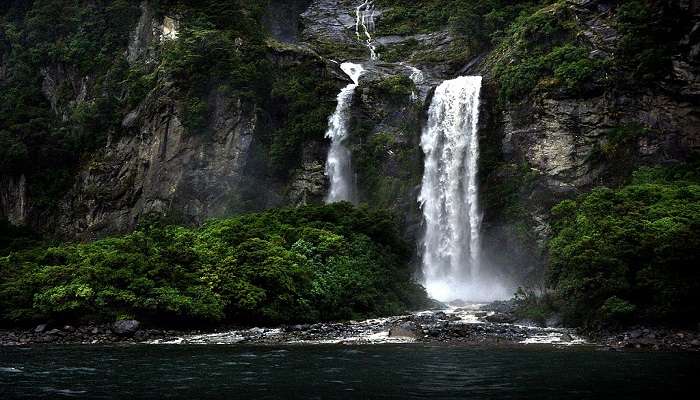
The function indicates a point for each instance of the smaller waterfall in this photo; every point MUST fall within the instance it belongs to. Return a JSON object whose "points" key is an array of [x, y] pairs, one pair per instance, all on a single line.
{"points": [[338, 164], [364, 25], [417, 77]]}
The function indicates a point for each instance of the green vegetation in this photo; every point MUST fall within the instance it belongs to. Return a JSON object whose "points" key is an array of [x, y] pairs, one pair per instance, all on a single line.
{"points": [[630, 254], [480, 21], [218, 44], [546, 54], [373, 159], [301, 102], [535, 304], [14, 238], [65, 40], [307, 264], [474, 24], [650, 32], [396, 86], [543, 48]]}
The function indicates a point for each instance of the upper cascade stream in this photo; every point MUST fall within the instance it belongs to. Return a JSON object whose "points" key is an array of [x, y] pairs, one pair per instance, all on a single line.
{"points": [[364, 26], [338, 164], [451, 246]]}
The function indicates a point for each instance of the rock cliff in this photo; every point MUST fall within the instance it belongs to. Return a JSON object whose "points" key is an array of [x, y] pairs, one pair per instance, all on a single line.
{"points": [[549, 145]]}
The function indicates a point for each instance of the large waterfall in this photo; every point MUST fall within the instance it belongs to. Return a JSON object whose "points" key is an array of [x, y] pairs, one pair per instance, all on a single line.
{"points": [[449, 195], [338, 164]]}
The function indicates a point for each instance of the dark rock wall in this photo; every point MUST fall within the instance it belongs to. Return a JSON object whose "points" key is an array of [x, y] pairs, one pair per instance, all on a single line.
{"points": [[282, 19]]}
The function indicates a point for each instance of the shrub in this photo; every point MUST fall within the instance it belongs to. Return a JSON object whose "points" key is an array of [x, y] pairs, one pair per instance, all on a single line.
{"points": [[630, 253], [286, 265]]}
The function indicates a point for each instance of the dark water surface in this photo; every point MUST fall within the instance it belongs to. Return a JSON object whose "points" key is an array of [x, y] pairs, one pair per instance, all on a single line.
{"points": [[379, 371]]}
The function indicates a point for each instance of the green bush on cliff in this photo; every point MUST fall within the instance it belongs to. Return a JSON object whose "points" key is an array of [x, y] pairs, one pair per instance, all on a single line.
{"points": [[541, 50], [395, 86], [306, 264], [480, 21], [302, 102], [650, 32], [631, 253], [49, 47]]}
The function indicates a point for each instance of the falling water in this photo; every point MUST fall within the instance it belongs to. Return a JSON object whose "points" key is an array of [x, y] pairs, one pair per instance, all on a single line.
{"points": [[449, 194], [364, 25], [417, 77], [338, 165]]}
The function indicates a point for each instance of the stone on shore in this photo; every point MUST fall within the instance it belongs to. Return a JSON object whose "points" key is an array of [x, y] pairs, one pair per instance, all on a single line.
{"points": [[126, 327]]}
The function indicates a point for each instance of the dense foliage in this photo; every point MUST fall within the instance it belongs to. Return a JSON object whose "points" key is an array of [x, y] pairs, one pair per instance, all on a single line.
{"points": [[544, 48], [475, 26], [307, 264], [42, 130], [300, 104], [544, 51], [481, 21], [630, 254]]}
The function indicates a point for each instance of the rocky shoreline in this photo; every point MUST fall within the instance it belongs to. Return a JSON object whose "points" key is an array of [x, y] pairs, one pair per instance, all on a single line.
{"points": [[455, 326]]}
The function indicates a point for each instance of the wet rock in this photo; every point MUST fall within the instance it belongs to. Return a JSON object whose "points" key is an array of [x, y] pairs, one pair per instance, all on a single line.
{"points": [[553, 321], [635, 334], [140, 335], [407, 329], [566, 338], [40, 328], [126, 327], [501, 318]]}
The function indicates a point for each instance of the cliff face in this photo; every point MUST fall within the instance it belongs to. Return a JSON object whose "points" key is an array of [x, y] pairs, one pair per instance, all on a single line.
{"points": [[162, 168], [545, 146], [553, 144]]}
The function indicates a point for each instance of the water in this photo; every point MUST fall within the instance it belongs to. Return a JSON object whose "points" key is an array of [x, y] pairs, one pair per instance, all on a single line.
{"points": [[315, 372], [449, 196], [364, 25], [338, 164], [417, 77]]}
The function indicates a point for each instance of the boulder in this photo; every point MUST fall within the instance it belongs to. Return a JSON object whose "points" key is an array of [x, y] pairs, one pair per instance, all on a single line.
{"points": [[40, 328], [554, 321], [407, 329], [126, 327], [141, 335], [500, 318]]}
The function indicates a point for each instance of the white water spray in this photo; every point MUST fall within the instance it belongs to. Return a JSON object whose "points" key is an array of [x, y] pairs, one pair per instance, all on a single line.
{"points": [[338, 163], [449, 196], [364, 25], [417, 77]]}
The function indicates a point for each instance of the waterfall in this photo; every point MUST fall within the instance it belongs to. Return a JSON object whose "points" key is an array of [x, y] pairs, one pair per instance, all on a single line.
{"points": [[338, 163], [449, 194], [417, 77], [364, 24]]}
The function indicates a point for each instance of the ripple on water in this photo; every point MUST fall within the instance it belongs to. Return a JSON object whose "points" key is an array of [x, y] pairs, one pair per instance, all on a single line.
{"points": [[64, 392], [77, 369], [353, 351], [232, 363], [11, 370]]}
